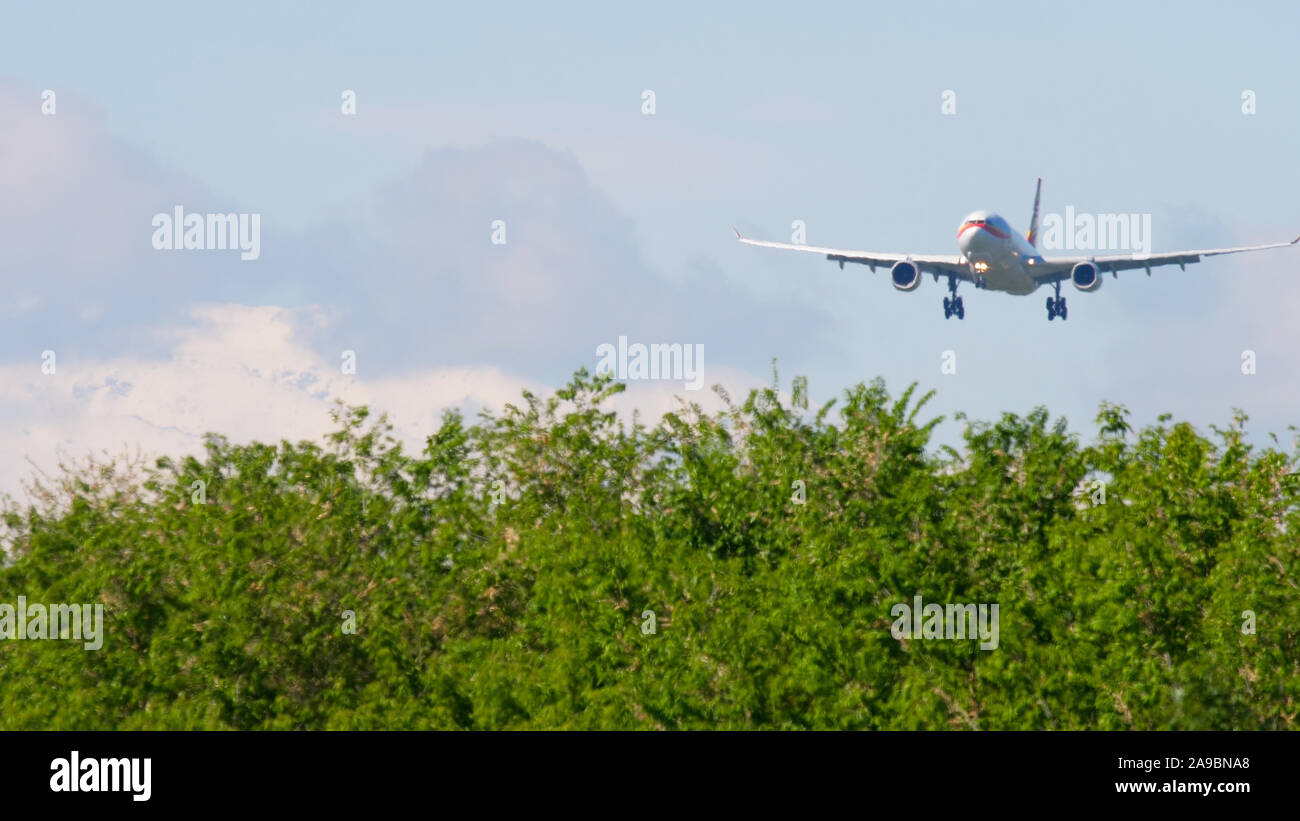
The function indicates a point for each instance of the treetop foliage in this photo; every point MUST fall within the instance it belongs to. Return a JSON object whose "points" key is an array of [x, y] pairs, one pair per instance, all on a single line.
{"points": [[557, 566]]}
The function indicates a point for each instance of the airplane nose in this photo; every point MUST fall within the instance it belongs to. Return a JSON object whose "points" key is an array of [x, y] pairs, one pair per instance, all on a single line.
{"points": [[970, 237]]}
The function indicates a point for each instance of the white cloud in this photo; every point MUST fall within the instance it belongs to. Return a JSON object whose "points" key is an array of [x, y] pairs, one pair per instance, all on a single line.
{"points": [[246, 372], [240, 371]]}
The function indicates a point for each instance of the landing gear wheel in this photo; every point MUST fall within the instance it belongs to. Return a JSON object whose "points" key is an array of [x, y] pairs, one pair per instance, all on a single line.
{"points": [[1056, 305], [953, 306], [1055, 308]]}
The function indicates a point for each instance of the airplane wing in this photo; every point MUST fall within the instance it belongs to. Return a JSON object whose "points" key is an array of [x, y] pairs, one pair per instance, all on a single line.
{"points": [[1058, 268], [936, 264]]}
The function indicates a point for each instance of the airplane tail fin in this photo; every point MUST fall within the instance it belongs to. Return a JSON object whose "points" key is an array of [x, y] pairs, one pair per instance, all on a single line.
{"points": [[1033, 221]]}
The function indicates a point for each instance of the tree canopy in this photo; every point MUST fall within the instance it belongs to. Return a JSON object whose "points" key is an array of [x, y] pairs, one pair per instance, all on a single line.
{"points": [[554, 565]]}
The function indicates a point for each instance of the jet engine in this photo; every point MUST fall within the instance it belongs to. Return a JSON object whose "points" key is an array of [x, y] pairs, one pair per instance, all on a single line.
{"points": [[1086, 276], [905, 275]]}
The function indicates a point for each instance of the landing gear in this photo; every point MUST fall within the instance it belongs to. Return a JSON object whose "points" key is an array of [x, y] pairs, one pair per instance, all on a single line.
{"points": [[1056, 305], [953, 306]]}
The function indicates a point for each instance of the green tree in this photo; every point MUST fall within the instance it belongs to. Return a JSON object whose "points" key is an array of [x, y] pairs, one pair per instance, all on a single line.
{"points": [[498, 578]]}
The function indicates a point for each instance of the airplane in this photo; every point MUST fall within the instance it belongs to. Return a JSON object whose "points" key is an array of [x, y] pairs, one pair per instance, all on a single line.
{"points": [[994, 257]]}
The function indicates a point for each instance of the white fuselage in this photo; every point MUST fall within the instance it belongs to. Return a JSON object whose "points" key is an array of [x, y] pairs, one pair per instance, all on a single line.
{"points": [[997, 254]]}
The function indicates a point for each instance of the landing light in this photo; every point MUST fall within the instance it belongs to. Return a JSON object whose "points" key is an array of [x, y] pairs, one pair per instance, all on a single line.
{"points": [[981, 266]]}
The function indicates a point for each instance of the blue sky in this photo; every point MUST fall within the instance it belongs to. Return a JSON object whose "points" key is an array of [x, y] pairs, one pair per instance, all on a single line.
{"points": [[375, 227]]}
